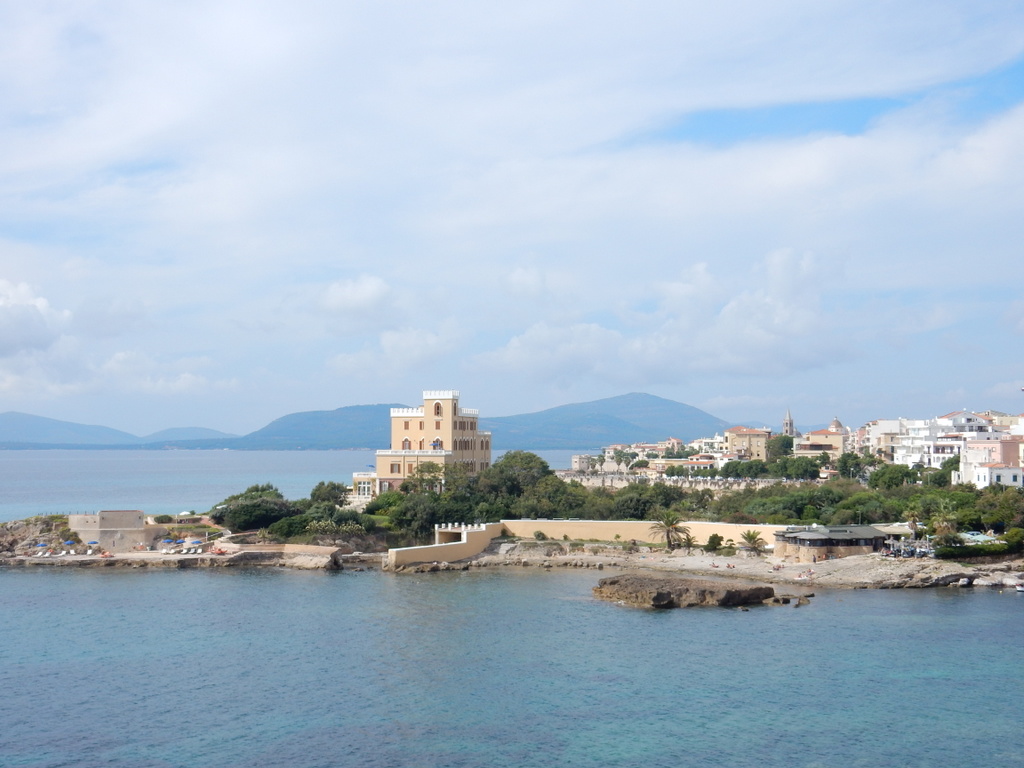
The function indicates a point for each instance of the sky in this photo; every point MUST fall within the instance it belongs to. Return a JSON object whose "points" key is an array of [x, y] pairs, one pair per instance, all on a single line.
{"points": [[218, 212]]}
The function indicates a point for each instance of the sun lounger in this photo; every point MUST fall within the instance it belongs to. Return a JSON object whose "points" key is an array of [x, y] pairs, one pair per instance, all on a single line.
{"points": [[41, 553], [89, 552], [72, 552]]}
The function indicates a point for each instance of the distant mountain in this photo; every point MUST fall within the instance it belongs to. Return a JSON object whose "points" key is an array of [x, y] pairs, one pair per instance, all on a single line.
{"points": [[632, 418], [624, 419], [354, 426], [22, 430]]}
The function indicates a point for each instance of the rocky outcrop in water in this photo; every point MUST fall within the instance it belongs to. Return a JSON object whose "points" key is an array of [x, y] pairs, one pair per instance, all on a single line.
{"points": [[673, 592]]}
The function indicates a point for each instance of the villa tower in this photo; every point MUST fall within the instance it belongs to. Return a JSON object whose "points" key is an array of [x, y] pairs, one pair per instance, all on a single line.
{"points": [[440, 431]]}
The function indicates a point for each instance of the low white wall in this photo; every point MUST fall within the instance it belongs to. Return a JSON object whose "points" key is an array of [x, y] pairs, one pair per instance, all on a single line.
{"points": [[473, 540]]}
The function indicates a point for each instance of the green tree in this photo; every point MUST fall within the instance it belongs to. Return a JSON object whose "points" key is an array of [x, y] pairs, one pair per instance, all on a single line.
{"points": [[287, 527], [779, 445], [714, 543], [426, 478], [251, 514], [752, 540], [513, 474], [850, 465], [669, 525], [384, 503], [329, 493], [688, 541], [891, 476], [944, 525]]}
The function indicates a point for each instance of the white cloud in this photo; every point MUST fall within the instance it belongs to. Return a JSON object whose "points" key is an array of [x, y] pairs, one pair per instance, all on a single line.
{"points": [[440, 186], [27, 322], [402, 351], [360, 294]]}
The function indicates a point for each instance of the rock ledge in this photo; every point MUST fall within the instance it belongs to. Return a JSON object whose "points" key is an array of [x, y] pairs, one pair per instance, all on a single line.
{"points": [[669, 592]]}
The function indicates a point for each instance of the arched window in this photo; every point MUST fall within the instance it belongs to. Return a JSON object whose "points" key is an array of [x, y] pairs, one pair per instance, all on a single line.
{"points": [[406, 444], [438, 410], [438, 444]]}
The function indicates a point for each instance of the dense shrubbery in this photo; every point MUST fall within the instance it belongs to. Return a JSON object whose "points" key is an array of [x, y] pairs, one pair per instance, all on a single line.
{"points": [[967, 551], [521, 485], [264, 506]]}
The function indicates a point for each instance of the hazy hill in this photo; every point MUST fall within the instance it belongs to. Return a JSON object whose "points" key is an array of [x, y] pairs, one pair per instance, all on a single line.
{"points": [[354, 426], [624, 419], [629, 418], [23, 430]]}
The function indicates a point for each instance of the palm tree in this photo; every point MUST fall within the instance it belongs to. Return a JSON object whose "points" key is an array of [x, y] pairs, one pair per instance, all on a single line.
{"points": [[668, 524], [688, 541], [945, 524], [913, 520], [752, 540]]}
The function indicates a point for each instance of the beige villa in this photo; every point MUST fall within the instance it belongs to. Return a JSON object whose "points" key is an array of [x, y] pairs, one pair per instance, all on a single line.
{"points": [[747, 443], [440, 431]]}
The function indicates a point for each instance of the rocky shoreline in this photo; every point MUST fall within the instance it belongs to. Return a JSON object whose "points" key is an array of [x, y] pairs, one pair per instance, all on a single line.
{"points": [[857, 572], [335, 561]]}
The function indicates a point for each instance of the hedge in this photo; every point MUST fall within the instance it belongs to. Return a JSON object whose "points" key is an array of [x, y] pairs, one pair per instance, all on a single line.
{"points": [[976, 550]]}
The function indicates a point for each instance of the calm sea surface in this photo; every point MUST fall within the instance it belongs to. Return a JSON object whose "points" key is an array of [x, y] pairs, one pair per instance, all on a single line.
{"points": [[508, 668], [512, 668]]}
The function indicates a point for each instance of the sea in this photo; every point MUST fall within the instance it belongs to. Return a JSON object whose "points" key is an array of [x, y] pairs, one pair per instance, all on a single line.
{"points": [[510, 667]]}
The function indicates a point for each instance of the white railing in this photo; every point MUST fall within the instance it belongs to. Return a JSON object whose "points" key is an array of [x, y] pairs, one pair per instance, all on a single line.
{"points": [[389, 452], [415, 412], [440, 394]]}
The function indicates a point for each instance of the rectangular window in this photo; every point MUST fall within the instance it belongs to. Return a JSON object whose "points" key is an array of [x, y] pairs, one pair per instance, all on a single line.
{"points": [[421, 425], [396, 469], [411, 469], [406, 426], [437, 425]]}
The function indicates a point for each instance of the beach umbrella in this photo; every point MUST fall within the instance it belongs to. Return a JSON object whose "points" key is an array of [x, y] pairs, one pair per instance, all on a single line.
{"points": [[92, 542], [40, 544], [69, 542], [180, 541], [197, 541], [168, 541]]}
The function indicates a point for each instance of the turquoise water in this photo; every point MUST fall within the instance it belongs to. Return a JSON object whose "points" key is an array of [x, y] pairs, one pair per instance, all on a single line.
{"points": [[501, 668], [168, 482]]}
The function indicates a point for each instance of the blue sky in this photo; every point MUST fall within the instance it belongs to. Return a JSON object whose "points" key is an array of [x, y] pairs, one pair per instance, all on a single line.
{"points": [[215, 213]]}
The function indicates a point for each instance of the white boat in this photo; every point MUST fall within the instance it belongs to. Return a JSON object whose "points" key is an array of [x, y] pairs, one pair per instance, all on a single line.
{"points": [[1019, 587]]}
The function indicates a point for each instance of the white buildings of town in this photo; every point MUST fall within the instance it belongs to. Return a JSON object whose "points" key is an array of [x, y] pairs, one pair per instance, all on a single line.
{"points": [[989, 444]]}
